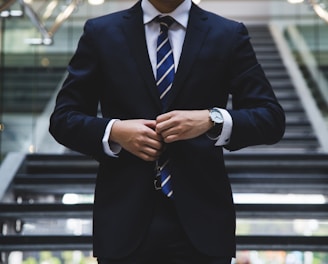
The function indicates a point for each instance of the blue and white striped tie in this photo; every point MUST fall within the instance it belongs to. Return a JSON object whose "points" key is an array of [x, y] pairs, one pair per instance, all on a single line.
{"points": [[165, 60], [164, 77]]}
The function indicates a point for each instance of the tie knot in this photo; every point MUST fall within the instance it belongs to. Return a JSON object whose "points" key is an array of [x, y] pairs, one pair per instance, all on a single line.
{"points": [[165, 22]]}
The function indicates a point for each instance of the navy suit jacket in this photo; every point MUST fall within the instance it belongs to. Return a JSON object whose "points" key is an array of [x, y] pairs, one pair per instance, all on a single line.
{"points": [[111, 69]]}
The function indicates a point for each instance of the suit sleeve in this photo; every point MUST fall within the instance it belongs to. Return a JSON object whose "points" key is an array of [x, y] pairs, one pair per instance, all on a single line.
{"points": [[74, 122], [257, 116]]}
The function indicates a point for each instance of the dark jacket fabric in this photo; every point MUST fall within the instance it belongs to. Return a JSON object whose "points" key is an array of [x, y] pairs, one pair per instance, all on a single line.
{"points": [[111, 71]]}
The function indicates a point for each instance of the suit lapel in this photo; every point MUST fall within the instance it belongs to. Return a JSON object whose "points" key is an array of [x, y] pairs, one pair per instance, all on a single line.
{"points": [[134, 31], [195, 35], [135, 34]]}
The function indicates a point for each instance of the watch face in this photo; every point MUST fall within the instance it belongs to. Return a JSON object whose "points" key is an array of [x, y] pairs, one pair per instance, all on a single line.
{"points": [[216, 116]]}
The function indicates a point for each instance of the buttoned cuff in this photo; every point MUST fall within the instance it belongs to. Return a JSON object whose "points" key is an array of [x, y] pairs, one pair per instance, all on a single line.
{"points": [[224, 138], [110, 148]]}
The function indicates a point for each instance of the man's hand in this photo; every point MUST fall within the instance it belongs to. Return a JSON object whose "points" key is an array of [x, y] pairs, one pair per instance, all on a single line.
{"points": [[139, 137], [181, 124]]}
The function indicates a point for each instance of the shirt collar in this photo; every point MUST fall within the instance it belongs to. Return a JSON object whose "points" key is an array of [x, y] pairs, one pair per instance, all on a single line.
{"points": [[180, 14]]}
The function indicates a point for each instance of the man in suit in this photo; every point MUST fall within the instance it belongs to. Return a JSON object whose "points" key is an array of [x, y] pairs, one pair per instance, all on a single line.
{"points": [[115, 67]]}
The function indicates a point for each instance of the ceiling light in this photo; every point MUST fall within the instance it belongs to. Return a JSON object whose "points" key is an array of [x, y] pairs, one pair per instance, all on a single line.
{"points": [[96, 2], [295, 1]]}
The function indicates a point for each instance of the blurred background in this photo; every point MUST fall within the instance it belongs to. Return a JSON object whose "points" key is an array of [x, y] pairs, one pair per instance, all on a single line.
{"points": [[46, 191]]}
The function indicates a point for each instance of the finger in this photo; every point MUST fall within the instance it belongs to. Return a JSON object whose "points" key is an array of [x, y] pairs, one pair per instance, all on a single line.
{"points": [[163, 117], [153, 135], [154, 145], [150, 123], [164, 126], [152, 132], [171, 138], [150, 154], [169, 129]]}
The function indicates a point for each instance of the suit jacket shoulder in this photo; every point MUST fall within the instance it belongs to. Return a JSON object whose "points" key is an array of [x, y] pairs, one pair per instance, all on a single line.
{"points": [[115, 19]]}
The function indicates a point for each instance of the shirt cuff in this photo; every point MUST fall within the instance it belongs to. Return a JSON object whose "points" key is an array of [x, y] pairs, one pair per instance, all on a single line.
{"points": [[110, 148], [224, 138]]}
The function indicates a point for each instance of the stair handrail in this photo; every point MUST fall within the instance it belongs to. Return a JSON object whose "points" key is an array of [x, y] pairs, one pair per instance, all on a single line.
{"points": [[316, 118], [8, 169], [311, 63], [43, 141]]}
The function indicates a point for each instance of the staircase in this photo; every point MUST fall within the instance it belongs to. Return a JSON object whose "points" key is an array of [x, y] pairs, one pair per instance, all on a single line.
{"points": [[28, 89], [297, 165], [25, 94], [299, 136]]}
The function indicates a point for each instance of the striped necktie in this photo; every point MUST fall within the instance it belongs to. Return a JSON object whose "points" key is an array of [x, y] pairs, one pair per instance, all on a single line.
{"points": [[165, 60], [164, 78]]}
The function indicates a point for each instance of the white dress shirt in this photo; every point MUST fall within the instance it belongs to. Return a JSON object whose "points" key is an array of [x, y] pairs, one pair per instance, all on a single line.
{"points": [[177, 34]]}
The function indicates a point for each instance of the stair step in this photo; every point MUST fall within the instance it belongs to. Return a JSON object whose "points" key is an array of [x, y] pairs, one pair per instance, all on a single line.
{"points": [[294, 165], [29, 89], [84, 242]]}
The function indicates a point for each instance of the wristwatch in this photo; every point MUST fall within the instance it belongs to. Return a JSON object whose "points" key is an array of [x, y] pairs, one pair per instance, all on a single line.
{"points": [[216, 117]]}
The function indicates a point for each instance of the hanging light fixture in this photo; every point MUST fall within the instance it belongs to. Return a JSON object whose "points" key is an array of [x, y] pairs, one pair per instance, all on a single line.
{"points": [[318, 6], [7, 11], [96, 2], [50, 9], [39, 23], [320, 9], [295, 1]]}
